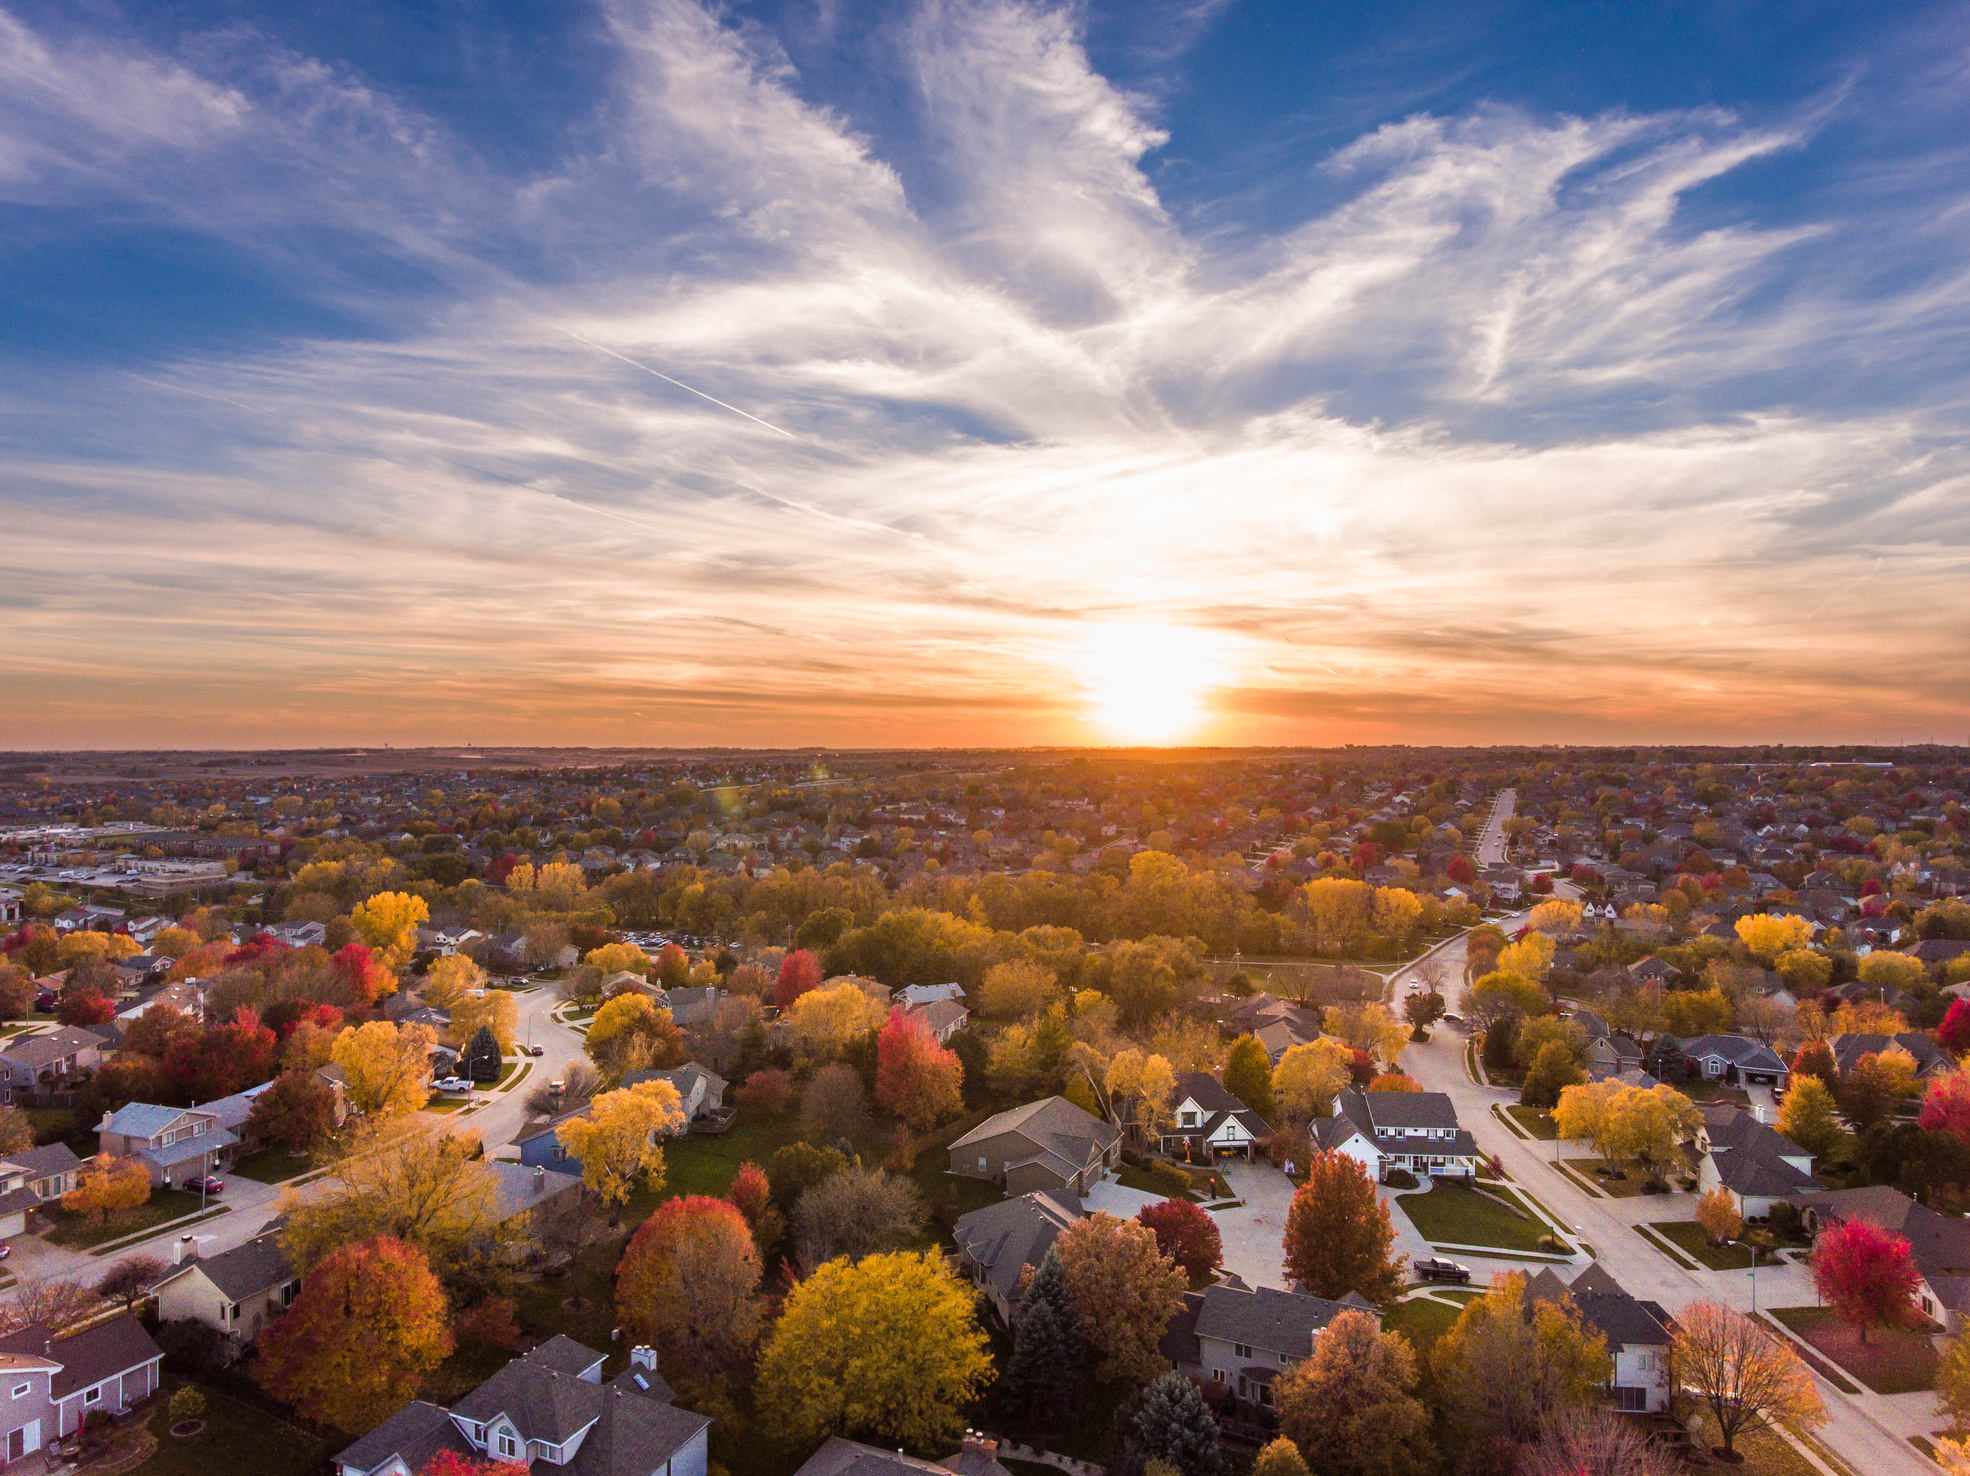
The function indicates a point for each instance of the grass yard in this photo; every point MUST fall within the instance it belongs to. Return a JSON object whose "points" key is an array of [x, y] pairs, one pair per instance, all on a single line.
{"points": [[1690, 1238], [1632, 1182], [237, 1437], [581, 1304], [1765, 1454], [273, 1166], [1422, 1322], [56, 1125], [1454, 1215], [1890, 1362], [79, 1232], [1535, 1120]]}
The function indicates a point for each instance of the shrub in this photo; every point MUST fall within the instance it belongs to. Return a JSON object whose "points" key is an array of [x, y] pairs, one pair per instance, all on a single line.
{"points": [[191, 1349], [1400, 1179], [489, 1325], [1169, 1178], [187, 1405], [769, 1090]]}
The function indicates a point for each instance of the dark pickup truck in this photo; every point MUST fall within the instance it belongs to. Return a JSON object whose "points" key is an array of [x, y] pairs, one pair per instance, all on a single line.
{"points": [[1428, 1270]]}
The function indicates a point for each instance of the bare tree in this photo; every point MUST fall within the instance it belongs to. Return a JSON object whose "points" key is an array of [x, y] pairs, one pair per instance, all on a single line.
{"points": [[1590, 1441], [834, 1107], [578, 1083], [855, 1214], [1750, 1380], [129, 1282], [56, 1303]]}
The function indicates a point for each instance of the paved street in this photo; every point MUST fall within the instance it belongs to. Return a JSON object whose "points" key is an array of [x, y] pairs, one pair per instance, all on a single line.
{"points": [[1491, 841], [1867, 1430]]}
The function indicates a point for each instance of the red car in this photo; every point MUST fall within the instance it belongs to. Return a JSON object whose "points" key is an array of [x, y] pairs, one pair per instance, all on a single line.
{"points": [[206, 1185]]}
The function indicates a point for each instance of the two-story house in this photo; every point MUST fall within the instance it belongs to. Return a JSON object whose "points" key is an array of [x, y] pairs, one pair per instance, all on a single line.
{"points": [[48, 1385], [1243, 1338], [30, 1178], [1049, 1145], [548, 1410], [997, 1243], [1413, 1131], [177, 1144], [1757, 1163], [1207, 1122], [237, 1292], [1638, 1334], [1939, 1244], [31, 1063]]}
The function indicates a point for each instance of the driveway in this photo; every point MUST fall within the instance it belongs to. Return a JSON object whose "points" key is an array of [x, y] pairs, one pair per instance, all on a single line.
{"points": [[1121, 1202], [1254, 1234]]}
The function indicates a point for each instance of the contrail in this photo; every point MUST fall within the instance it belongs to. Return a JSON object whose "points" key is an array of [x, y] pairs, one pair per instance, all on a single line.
{"points": [[678, 382], [1872, 570]]}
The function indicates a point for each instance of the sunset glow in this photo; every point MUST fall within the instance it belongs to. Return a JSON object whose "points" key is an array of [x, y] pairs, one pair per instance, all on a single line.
{"points": [[1146, 683]]}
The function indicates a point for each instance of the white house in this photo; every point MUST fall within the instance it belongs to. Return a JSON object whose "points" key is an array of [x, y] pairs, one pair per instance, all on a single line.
{"points": [[1207, 1122], [1758, 1164], [1637, 1333], [1413, 1131]]}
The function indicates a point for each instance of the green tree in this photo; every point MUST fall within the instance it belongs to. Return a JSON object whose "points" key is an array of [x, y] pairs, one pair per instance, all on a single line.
{"points": [[1552, 1071], [1172, 1424], [1043, 1378], [1248, 1076]]}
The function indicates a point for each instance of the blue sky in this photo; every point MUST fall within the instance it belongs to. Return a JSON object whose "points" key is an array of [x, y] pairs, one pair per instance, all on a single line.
{"points": [[1329, 372]]}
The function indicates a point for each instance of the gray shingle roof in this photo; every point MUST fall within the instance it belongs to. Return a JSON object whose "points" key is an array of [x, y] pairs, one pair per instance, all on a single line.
{"points": [[416, 1432], [42, 1050], [46, 1161], [90, 1356], [1409, 1109], [1017, 1232], [1277, 1321], [252, 1267]]}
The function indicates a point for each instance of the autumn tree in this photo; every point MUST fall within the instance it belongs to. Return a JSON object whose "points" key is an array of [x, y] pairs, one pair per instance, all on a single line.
{"points": [[1338, 1233], [1815, 1058], [130, 1281], [1187, 1235], [1125, 1289], [688, 1284], [493, 1011], [387, 923], [1351, 1408], [800, 972], [1248, 1075], [1584, 1441], [1147, 1079], [1308, 1076], [632, 1033], [1748, 1378], [370, 1323], [888, 1349], [1280, 1458], [107, 1184], [386, 1069], [1503, 1372], [1017, 990], [1367, 1027], [856, 1213], [451, 979], [826, 1021], [1718, 1214], [616, 1140], [916, 1078], [1867, 1275], [1808, 1117], [1767, 935], [1394, 1081], [1945, 1106], [1868, 1094], [16, 1130], [296, 1113], [1552, 1071]]}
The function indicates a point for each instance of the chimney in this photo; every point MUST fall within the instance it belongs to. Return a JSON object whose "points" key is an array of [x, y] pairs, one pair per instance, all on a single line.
{"points": [[642, 1356], [184, 1249], [540, 1179], [986, 1445]]}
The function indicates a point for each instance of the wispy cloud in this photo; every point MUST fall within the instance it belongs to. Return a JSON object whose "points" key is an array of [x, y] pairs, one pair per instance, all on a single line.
{"points": [[1499, 446]]}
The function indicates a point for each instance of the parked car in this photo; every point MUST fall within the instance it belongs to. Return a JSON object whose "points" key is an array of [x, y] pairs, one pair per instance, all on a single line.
{"points": [[1433, 1270], [536, 1050], [6, 1250], [206, 1185], [455, 1084]]}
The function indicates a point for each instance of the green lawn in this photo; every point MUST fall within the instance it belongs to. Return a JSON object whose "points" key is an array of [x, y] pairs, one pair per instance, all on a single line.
{"points": [[78, 1232], [237, 1437], [1691, 1238], [273, 1166], [543, 1306], [55, 1125], [1535, 1120], [1890, 1362], [1454, 1215], [1632, 1183], [1422, 1322]]}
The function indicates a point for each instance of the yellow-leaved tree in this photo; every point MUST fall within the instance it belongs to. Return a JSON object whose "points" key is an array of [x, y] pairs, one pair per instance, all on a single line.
{"points": [[388, 923], [494, 1010], [1133, 1075], [1369, 1027], [1555, 916], [107, 1184], [1529, 958], [387, 1070], [450, 980], [825, 1021], [1767, 935], [618, 958], [616, 1140], [1307, 1077]]}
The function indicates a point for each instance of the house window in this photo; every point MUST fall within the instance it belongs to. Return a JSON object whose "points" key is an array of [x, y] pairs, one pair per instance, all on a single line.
{"points": [[1629, 1399], [1190, 1119], [93, 1396], [1645, 1362], [1243, 1350], [21, 1390], [1217, 1376], [508, 1446]]}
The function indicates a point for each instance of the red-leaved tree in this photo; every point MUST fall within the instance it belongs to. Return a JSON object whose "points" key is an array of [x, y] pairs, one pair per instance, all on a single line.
{"points": [[1867, 1275], [362, 975], [1187, 1235], [800, 971], [1954, 1032], [1338, 1232], [916, 1078], [769, 1089], [84, 1007], [1815, 1058], [451, 1463], [750, 1193], [219, 1061], [689, 1285], [1946, 1105]]}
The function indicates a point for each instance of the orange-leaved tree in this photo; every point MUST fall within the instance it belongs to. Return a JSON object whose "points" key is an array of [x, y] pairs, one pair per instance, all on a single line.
{"points": [[1125, 1289], [1338, 1232], [107, 1184], [916, 1078], [689, 1285]]}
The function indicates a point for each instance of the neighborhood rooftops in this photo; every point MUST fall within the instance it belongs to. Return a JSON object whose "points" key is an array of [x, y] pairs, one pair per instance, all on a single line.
{"points": [[1003, 1239], [252, 1267]]}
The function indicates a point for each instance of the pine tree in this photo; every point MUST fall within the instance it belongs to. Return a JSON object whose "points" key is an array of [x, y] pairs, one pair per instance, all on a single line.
{"points": [[1172, 1423], [482, 1060], [1046, 1348]]}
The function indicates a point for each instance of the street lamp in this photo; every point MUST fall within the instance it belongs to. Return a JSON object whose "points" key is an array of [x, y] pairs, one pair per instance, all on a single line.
{"points": [[1752, 1246]]}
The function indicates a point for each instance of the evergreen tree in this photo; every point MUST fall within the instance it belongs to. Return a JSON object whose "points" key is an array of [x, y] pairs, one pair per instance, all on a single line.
{"points": [[1047, 1349], [481, 1060], [1248, 1075], [1172, 1423]]}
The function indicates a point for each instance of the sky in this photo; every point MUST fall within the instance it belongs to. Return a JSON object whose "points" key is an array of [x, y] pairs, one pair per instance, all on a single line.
{"points": [[952, 372]]}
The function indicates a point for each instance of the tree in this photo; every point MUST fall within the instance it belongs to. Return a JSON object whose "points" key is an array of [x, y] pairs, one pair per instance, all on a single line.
{"points": [[185, 1406], [481, 1059], [616, 1141], [1807, 1116], [1248, 1075], [1750, 1381], [1867, 1275], [129, 1282], [1308, 1076], [1187, 1235], [888, 1348], [856, 1213], [1585, 1112], [1421, 1011], [1767, 935], [296, 1113], [371, 1321], [834, 1108], [1584, 1441], [388, 922], [1945, 1106], [1338, 1233], [1395, 1081], [386, 1070], [493, 1012], [1815, 1058], [631, 1033], [800, 972], [824, 1022], [57, 1303], [1017, 990], [1172, 1424], [797, 1167], [1500, 996], [1125, 1289], [1047, 1351], [1504, 1372], [107, 1184], [768, 1089], [1552, 1071], [1953, 1382], [451, 979], [1954, 1033], [1529, 958], [689, 1285], [1868, 1093], [1718, 1214], [916, 1078], [1351, 1409], [1150, 1080], [1280, 1458], [451, 1463], [1367, 1027], [617, 958], [84, 1007]]}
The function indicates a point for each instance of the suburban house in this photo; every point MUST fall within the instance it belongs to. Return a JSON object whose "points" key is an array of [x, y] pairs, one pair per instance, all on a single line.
{"points": [[549, 1407], [1413, 1131], [997, 1243], [914, 995], [1732, 1058], [1048, 1145], [1608, 1054], [1243, 1338], [943, 1018], [40, 1063], [700, 1090], [237, 1292], [177, 1144], [1637, 1333], [1757, 1163], [520, 1189], [53, 1383], [30, 1178], [1206, 1121], [1281, 1035], [1931, 1060], [841, 1457], [1940, 1244], [1278, 1024]]}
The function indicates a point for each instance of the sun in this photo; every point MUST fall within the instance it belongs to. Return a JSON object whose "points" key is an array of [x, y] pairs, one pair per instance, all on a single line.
{"points": [[1146, 683]]}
